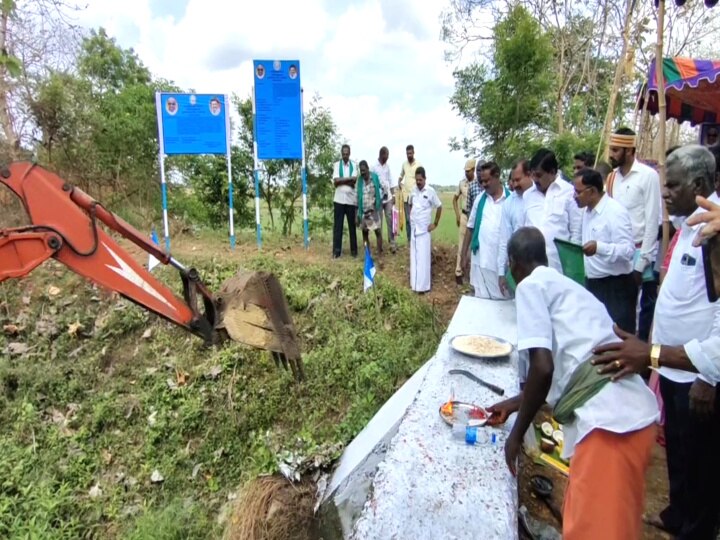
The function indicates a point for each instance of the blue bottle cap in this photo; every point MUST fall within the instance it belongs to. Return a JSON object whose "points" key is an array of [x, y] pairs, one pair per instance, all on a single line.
{"points": [[494, 438]]}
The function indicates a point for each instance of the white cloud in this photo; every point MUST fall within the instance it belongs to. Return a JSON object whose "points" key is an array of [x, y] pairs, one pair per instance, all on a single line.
{"points": [[377, 64]]}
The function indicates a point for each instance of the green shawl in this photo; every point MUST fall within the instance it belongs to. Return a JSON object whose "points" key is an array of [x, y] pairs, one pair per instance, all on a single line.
{"points": [[585, 382], [342, 170], [475, 244], [361, 193]]}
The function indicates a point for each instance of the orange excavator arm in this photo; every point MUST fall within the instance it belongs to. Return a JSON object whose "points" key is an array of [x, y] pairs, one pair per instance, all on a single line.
{"points": [[64, 226]]}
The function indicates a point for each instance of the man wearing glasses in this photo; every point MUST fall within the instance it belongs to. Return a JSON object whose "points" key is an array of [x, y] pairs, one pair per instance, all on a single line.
{"points": [[608, 249]]}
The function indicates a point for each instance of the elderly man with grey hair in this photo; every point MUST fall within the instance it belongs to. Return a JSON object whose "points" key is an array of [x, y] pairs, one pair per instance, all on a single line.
{"points": [[685, 353]]}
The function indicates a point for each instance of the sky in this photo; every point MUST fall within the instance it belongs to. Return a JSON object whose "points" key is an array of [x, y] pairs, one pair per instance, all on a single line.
{"points": [[378, 65]]}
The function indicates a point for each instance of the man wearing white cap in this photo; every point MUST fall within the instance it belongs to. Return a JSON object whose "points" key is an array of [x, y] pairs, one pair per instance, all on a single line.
{"points": [[461, 217]]}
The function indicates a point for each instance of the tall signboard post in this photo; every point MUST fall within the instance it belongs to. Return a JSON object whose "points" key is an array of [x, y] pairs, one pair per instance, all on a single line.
{"points": [[278, 124], [193, 124]]}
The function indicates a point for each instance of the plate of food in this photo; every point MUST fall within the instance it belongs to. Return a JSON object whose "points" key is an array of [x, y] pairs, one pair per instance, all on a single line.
{"points": [[458, 412], [480, 346]]}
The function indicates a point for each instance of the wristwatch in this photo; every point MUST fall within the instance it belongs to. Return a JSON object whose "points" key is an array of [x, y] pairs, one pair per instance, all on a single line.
{"points": [[655, 355]]}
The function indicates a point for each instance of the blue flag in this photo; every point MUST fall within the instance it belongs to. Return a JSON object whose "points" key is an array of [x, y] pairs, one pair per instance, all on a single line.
{"points": [[369, 270]]}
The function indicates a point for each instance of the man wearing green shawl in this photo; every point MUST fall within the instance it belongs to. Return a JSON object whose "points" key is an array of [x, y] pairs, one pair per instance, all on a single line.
{"points": [[345, 202], [369, 194], [609, 427], [483, 234]]}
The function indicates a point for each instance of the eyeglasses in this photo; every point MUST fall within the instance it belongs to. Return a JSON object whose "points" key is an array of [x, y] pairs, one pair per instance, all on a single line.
{"points": [[583, 190]]}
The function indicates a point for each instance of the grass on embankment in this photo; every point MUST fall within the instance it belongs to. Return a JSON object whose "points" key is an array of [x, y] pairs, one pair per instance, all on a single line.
{"points": [[96, 395]]}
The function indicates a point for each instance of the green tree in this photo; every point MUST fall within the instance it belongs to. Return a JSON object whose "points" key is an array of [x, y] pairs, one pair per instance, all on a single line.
{"points": [[207, 181], [98, 123], [508, 102], [34, 36]]}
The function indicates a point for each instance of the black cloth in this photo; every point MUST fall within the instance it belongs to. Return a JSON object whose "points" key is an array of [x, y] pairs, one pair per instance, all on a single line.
{"points": [[407, 221], [692, 445], [619, 296], [648, 297], [343, 211], [676, 402]]}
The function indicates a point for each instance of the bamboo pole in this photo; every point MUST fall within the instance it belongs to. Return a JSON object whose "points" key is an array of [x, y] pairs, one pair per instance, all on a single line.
{"points": [[642, 129], [662, 117], [617, 83]]}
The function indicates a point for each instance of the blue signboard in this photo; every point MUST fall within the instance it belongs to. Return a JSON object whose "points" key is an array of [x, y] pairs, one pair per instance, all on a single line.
{"points": [[278, 109], [193, 123]]}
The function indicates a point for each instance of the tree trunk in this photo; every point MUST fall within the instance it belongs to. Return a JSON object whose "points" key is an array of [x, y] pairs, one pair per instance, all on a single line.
{"points": [[662, 115], [268, 200], [5, 114], [561, 89], [617, 81]]}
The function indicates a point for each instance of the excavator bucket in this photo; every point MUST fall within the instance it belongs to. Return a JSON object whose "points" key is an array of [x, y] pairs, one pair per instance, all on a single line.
{"points": [[252, 309]]}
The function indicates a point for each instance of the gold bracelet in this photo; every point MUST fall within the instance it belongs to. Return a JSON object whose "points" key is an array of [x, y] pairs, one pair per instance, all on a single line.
{"points": [[655, 355]]}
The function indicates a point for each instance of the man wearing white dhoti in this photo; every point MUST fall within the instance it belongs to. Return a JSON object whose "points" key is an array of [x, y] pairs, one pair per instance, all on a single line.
{"points": [[483, 233], [421, 203]]}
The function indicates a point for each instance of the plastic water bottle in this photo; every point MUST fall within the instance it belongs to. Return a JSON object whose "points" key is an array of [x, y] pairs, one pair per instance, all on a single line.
{"points": [[467, 434]]}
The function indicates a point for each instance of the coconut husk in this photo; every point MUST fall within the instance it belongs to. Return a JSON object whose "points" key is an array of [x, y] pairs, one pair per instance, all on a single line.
{"points": [[271, 508]]}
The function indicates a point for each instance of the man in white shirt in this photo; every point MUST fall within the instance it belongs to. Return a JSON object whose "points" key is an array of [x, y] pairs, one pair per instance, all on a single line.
{"points": [[482, 235], [461, 217], [423, 200], [345, 202], [382, 170], [513, 215], [406, 184], [608, 249], [550, 207], [608, 430], [686, 339], [637, 187]]}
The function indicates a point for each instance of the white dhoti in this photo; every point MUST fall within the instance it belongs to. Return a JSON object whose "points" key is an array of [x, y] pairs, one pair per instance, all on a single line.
{"points": [[485, 282], [420, 261]]}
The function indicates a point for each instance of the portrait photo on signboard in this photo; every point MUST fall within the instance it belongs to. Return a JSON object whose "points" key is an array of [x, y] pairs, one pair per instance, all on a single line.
{"points": [[171, 106], [260, 71], [709, 134], [215, 106], [293, 71]]}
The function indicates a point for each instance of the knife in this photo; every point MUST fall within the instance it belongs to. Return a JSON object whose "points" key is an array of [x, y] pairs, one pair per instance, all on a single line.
{"points": [[499, 391]]}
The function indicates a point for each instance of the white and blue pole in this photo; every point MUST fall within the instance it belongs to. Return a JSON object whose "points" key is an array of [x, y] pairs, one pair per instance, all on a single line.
{"points": [[228, 140], [256, 174], [306, 225], [161, 158]]}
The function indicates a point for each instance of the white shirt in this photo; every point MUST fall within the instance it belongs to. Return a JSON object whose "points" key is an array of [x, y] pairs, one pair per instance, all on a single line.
{"points": [[705, 355], [345, 194], [682, 312], [639, 192], [556, 214], [383, 172], [489, 235], [422, 203], [557, 314], [609, 225], [513, 217]]}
